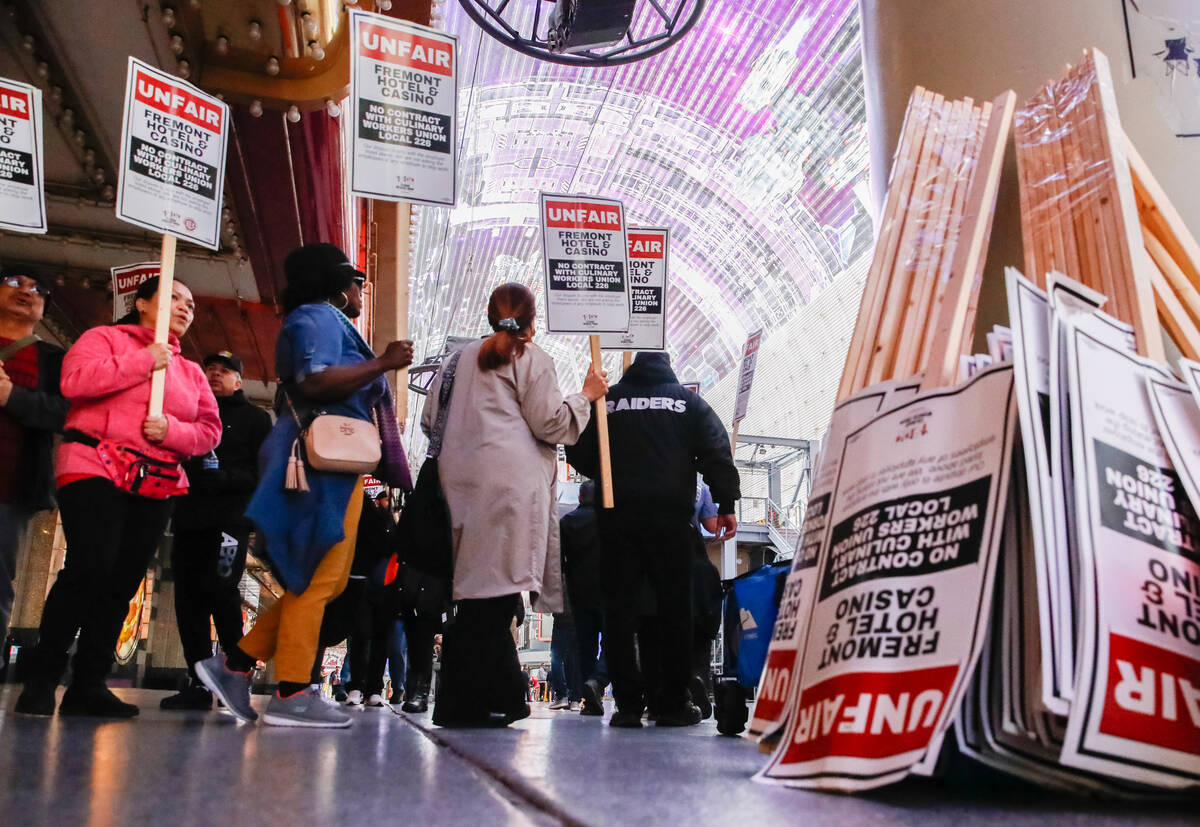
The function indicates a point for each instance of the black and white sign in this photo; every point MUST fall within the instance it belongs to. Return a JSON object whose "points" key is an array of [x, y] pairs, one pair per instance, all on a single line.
{"points": [[587, 270], [404, 106], [648, 267], [746, 375], [173, 141], [22, 194], [906, 580], [1136, 712]]}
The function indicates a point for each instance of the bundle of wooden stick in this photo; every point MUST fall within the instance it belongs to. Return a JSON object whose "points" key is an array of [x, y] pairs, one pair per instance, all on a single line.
{"points": [[918, 306], [1090, 208]]}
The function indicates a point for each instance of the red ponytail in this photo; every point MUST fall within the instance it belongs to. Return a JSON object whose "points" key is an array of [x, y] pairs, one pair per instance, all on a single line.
{"points": [[511, 310]]}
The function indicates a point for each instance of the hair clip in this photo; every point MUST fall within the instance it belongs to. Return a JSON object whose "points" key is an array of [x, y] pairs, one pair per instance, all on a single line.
{"points": [[510, 325]]}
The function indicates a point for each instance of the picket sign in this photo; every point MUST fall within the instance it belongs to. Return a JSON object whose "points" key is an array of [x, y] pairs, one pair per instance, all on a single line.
{"points": [[162, 322], [606, 488], [585, 250]]}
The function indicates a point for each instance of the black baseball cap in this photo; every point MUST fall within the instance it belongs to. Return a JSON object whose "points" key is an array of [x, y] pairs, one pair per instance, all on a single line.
{"points": [[225, 358]]}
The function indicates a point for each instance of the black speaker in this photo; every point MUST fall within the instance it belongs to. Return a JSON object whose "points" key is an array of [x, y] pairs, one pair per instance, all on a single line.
{"points": [[581, 25]]}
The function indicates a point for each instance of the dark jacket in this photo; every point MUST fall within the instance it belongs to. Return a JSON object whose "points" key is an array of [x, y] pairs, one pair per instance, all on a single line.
{"points": [[42, 412], [217, 497], [582, 558], [660, 435]]}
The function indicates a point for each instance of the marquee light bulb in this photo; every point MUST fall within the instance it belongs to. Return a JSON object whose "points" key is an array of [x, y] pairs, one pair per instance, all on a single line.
{"points": [[272, 66], [293, 113], [332, 108], [176, 44], [222, 46], [316, 50], [256, 108], [168, 17], [255, 31], [184, 69]]}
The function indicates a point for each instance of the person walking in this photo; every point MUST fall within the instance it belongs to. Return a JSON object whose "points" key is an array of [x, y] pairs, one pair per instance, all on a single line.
{"points": [[32, 411], [325, 366], [208, 554], [118, 473], [498, 467], [661, 435], [582, 570], [367, 646]]}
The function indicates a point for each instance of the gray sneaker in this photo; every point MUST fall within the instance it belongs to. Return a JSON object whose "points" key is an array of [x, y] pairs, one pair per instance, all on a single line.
{"points": [[305, 708], [232, 688]]}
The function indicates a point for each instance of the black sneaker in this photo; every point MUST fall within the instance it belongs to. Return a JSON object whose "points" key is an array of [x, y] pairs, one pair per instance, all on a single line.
{"points": [[590, 708], [700, 697], [626, 720], [95, 700], [688, 715], [37, 698], [192, 697], [419, 702], [593, 697]]}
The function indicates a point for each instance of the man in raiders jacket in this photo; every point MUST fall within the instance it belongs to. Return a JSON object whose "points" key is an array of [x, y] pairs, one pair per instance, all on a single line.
{"points": [[661, 435]]}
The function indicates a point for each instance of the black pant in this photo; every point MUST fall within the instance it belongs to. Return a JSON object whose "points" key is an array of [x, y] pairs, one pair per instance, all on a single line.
{"points": [[111, 538], [589, 623], [367, 647], [480, 670], [419, 631], [206, 585], [643, 550]]}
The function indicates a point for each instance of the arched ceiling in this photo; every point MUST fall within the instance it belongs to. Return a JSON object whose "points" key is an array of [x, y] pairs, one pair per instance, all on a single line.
{"points": [[747, 139]]}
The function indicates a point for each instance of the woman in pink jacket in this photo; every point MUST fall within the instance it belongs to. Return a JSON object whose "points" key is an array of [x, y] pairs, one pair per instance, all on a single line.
{"points": [[117, 470]]}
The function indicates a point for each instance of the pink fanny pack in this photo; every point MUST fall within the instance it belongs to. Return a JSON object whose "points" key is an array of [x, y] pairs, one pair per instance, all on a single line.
{"points": [[153, 473]]}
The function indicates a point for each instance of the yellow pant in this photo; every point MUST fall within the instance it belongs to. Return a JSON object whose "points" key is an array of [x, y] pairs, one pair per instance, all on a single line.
{"points": [[289, 630]]}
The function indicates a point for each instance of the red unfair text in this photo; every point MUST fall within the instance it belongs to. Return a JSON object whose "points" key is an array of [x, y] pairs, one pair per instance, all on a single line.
{"points": [[645, 246], [14, 104], [1153, 696], [772, 694], [178, 102], [402, 49], [585, 216], [130, 281], [870, 714]]}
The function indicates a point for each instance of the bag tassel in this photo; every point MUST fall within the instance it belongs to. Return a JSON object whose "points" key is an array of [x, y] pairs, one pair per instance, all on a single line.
{"points": [[295, 479]]}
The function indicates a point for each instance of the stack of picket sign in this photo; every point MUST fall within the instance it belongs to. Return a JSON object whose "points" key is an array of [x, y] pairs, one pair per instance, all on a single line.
{"points": [[1078, 666], [884, 611], [1092, 679]]}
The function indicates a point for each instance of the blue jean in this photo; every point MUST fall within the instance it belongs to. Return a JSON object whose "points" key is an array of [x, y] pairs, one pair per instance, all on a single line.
{"points": [[398, 656], [565, 678]]}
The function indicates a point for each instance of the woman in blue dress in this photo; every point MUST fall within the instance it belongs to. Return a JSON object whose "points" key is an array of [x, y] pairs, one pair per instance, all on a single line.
{"points": [[324, 366]]}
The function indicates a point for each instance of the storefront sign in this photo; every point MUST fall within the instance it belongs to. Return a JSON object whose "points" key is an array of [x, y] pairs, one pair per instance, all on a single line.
{"points": [[648, 257], [404, 105], [587, 285], [22, 194], [173, 139]]}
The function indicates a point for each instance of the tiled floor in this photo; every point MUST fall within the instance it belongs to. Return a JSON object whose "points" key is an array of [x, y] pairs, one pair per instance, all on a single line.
{"points": [[553, 768]]}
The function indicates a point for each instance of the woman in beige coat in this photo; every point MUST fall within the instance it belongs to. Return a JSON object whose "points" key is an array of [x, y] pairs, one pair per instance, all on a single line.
{"points": [[498, 469]]}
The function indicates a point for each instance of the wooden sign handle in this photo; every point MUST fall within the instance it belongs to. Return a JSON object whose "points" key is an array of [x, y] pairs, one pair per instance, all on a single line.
{"points": [[626, 360], [602, 432], [162, 323], [733, 438]]}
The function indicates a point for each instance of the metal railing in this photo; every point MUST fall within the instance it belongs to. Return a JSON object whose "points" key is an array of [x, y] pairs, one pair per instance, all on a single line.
{"points": [[782, 524]]}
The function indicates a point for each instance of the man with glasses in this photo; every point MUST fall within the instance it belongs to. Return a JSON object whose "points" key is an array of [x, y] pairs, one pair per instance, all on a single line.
{"points": [[32, 410]]}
